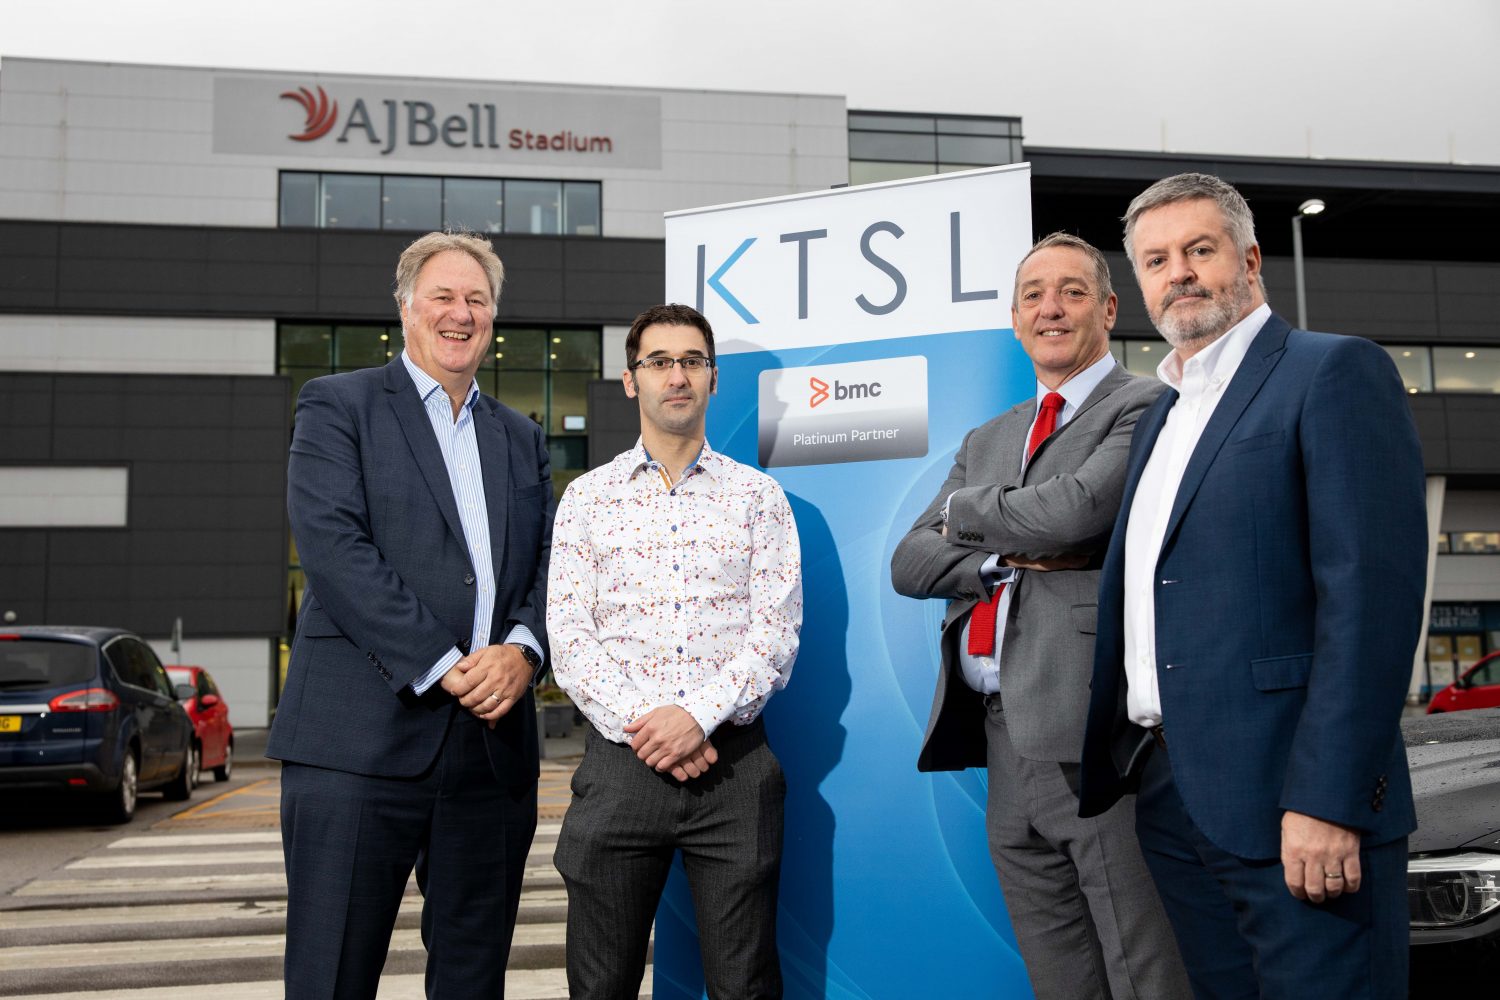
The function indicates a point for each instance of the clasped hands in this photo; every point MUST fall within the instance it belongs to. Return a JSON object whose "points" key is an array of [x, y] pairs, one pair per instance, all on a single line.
{"points": [[490, 681], [669, 739]]}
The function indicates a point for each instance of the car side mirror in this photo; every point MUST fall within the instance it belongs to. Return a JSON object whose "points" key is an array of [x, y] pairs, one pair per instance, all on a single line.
{"points": [[208, 701], [184, 692]]}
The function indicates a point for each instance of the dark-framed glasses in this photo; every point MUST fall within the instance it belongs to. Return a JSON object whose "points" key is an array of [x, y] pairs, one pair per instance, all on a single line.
{"points": [[692, 364]]}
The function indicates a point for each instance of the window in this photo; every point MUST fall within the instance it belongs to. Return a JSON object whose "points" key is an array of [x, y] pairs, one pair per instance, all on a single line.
{"points": [[408, 203], [412, 203], [533, 206], [887, 146], [1475, 542], [473, 205], [1414, 362], [1466, 369], [350, 201]]}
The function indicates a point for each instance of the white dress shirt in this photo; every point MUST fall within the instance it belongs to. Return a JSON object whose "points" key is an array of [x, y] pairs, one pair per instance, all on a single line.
{"points": [[982, 673], [683, 593], [1200, 384]]}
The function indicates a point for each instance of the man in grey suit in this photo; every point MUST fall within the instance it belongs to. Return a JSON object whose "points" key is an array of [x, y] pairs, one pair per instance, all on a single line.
{"points": [[1013, 541]]}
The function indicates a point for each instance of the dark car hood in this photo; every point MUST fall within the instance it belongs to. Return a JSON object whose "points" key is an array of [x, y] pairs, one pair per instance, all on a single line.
{"points": [[1455, 777]]}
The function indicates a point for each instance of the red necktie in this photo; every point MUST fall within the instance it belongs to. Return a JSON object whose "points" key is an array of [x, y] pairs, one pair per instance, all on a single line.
{"points": [[982, 618]]}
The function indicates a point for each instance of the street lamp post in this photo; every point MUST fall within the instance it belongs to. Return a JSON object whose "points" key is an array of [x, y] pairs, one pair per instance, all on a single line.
{"points": [[1312, 206]]}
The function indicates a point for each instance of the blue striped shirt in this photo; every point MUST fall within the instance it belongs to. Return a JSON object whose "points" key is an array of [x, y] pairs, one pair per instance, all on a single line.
{"points": [[461, 457]]}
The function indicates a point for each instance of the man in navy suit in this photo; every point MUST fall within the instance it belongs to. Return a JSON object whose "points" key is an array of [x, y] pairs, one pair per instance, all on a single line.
{"points": [[407, 727], [1259, 609]]}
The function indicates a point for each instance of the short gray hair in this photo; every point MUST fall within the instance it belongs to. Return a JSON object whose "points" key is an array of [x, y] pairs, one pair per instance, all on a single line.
{"points": [[1083, 246], [1238, 219], [416, 256]]}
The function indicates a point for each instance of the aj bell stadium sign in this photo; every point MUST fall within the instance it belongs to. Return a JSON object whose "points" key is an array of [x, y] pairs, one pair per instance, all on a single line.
{"points": [[371, 119]]}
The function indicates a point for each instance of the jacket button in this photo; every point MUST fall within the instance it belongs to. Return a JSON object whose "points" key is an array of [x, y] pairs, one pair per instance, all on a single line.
{"points": [[468, 579]]}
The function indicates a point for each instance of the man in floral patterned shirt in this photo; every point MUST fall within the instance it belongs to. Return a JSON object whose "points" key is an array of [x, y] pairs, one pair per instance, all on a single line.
{"points": [[674, 603]]}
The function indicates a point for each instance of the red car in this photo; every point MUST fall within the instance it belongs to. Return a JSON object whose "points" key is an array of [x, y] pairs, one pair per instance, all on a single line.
{"points": [[1479, 687], [213, 744]]}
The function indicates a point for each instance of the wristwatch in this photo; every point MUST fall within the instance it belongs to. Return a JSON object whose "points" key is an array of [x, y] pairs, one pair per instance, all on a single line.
{"points": [[532, 656]]}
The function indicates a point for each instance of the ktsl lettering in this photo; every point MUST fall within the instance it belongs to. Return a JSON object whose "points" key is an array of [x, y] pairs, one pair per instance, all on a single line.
{"points": [[878, 256], [416, 123]]}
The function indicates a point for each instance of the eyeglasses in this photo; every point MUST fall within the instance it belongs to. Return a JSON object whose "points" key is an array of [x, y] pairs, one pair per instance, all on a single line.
{"points": [[692, 364]]}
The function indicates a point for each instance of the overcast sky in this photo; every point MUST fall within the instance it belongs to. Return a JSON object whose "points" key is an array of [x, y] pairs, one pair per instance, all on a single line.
{"points": [[1333, 78]]}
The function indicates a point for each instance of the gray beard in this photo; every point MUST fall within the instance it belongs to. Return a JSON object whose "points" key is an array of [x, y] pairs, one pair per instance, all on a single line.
{"points": [[1207, 325]]}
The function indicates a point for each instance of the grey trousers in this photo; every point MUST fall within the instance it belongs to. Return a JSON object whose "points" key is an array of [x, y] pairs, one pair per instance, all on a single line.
{"points": [[624, 826], [1083, 905]]}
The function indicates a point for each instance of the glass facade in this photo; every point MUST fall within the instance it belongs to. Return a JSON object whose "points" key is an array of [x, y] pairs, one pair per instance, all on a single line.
{"points": [[402, 202], [886, 146]]}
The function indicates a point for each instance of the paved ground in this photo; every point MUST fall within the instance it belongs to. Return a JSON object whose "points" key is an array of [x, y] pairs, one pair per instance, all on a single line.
{"points": [[191, 902]]}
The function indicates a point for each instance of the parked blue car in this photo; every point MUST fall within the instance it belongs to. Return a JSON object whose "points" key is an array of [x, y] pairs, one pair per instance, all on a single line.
{"points": [[90, 711]]}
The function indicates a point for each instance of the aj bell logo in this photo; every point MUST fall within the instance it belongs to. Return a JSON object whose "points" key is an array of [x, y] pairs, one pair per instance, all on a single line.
{"points": [[854, 390], [321, 113], [421, 123]]}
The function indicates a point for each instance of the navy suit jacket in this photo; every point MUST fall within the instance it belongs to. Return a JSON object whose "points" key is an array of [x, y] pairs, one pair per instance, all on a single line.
{"points": [[390, 582], [1289, 596]]}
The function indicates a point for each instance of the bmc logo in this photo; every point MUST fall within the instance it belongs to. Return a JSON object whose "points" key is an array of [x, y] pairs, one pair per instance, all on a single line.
{"points": [[840, 391]]}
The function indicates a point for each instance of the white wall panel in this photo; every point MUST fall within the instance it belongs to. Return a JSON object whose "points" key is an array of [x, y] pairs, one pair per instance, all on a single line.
{"points": [[137, 345], [241, 668], [1467, 578], [1471, 510], [64, 496]]}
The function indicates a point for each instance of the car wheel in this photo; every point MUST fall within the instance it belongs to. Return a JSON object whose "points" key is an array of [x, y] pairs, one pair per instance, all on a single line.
{"points": [[224, 770], [120, 805], [180, 788]]}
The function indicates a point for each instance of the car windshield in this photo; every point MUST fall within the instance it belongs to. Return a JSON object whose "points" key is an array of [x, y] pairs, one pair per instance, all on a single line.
{"points": [[33, 664], [180, 677]]}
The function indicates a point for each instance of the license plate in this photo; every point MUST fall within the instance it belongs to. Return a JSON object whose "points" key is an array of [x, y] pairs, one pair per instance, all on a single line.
{"points": [[10, 723]]}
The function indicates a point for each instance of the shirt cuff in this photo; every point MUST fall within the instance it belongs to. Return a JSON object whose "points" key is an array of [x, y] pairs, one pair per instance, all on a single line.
{"points": [[441, 667], [993, 572], [521, 635]]}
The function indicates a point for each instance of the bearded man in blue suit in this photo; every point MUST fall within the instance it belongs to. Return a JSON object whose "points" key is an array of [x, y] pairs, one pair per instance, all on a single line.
{"points": [[1259, 609], [421, 509]]}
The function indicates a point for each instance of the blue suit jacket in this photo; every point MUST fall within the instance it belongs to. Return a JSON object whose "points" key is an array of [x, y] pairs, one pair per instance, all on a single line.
{"points": [[1288, 595], [390, 583]]}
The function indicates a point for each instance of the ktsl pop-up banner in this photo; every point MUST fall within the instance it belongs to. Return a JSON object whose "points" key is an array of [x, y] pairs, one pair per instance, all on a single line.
{"points": [[861, 332]]}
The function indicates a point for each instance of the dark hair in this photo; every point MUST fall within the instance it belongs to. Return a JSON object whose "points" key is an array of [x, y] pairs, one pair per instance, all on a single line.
{"points": [[1071, 242], [670, 314]]}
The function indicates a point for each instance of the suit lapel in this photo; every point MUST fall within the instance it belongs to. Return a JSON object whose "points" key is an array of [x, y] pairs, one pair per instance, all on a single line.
{"points": [[419, 437], [494, 458], [1115, 378], [1264, 352]]}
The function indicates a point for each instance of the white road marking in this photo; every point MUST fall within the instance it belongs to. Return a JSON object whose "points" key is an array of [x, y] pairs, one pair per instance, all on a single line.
{"points": [[196, 840], [520, 984], [209, 949]]}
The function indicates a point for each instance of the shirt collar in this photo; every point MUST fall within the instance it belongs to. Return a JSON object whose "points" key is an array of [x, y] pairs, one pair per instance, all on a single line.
{"points": [[638, 458], [1078, 388], [1221, 359], [427, 385]]}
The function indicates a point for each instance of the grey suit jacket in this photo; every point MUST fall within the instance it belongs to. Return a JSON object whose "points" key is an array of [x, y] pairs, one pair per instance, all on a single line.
{"points": [[1065, 503]]}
